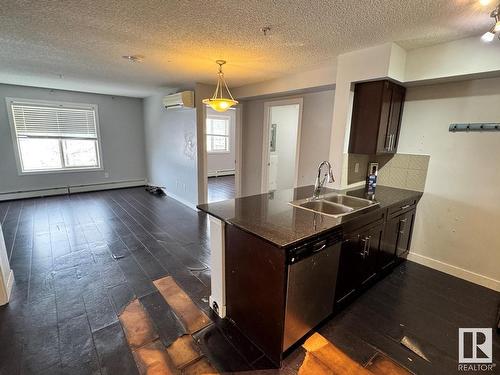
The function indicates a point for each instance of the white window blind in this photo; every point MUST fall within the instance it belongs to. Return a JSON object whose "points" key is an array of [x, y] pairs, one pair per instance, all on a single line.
{"points": [[54, 136], [58, 122]]}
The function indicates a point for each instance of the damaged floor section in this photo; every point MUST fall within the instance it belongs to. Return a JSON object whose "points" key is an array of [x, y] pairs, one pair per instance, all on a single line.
{"points": [[168, 354]]}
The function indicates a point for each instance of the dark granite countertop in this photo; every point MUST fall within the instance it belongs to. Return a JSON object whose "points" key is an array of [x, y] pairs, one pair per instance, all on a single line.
{"points": [[271, 217]]}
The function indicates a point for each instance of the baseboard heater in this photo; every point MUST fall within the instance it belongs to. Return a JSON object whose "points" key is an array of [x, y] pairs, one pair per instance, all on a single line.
{"points": [[221, 172], [71, 189]]}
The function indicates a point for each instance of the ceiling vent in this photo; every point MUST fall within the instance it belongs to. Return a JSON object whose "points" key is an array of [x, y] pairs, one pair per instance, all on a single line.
{"points": [[184, 99]]}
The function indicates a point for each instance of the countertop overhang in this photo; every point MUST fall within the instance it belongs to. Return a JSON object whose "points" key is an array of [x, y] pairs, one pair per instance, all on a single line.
{"points": [[271, 217]]}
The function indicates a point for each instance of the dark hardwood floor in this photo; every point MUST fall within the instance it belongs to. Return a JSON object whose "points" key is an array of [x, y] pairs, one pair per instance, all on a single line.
{"points": [[79, 260], [221, 188]]}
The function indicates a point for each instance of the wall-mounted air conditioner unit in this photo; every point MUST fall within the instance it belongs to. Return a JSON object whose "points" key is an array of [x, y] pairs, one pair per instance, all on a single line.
{"points": [[184, 99]]}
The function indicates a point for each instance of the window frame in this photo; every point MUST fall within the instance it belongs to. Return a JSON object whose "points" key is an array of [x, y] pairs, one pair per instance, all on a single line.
{"points": [[15, 138], [228, 136]]}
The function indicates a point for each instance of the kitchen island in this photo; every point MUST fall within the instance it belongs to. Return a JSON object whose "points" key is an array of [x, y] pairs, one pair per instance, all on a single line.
{"points": [[279, 270]]}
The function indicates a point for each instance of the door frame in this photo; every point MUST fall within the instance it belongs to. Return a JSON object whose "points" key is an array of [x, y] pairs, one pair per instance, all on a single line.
{"points": [[238, 143], [203, 184], [265, 139]]}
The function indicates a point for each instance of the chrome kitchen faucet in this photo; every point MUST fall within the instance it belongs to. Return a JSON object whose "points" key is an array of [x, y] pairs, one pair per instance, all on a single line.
{"points": [[318, 184]]}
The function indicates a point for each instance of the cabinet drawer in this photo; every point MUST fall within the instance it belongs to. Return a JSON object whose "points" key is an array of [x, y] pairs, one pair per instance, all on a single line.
{"points": [[365, 221], [402, 207]]}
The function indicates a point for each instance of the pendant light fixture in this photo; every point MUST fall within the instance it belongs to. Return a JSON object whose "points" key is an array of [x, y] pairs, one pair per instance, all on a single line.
{"points": [[218, 101], [495, 29]]}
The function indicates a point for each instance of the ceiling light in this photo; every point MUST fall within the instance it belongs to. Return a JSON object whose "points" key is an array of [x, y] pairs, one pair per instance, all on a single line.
{"points": [[490, 35], [484, 2], [134, 58], [218, 102]]}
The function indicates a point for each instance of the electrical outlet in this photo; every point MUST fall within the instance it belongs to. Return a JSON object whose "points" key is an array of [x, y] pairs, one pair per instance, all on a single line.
{"points": [[356, 168], [184, 186], [106, 175]]}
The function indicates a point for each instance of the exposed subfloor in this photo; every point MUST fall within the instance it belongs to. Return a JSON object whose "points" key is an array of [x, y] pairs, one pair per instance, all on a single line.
{"points": [[221, 188], [80, 259]]}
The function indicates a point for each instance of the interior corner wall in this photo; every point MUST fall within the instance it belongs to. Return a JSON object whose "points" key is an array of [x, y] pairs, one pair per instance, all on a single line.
{"points": [[171, 150], [314, 139], [201, 92], [457, 219], [122, 141]]}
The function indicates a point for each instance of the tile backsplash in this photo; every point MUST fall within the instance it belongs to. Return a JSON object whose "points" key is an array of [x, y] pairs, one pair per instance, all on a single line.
{"points": [[406, 171]]}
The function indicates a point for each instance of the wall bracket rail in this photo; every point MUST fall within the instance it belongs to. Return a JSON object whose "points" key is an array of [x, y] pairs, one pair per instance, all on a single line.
{"points": [[475, 127]]}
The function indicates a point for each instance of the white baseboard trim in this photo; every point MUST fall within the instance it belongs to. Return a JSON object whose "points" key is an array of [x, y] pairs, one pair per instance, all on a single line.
{"points": [[5, 295], [461, 273], [70, 189], [180, 200], [33, 193], [106, 186], [222, 172]]}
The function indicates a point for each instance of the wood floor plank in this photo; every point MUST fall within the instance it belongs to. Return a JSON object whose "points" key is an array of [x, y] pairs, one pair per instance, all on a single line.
{"points": [[313, 366], [166, 323], [200, 367], [137, 326], [382, 365], [152, 359], [184, 351], [191, 316], [115, 356], [219, 351], [332, 357]]}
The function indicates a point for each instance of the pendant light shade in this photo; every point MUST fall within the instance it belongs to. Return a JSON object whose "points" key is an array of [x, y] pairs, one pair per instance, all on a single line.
{"points": [[218, 101]]}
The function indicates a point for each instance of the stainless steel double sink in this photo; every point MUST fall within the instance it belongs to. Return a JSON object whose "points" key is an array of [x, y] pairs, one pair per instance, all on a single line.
{"points": [[335, 205]]}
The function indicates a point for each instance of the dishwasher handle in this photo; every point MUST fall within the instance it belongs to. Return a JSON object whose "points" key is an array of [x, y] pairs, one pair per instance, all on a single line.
{"points": [[319, 246]]}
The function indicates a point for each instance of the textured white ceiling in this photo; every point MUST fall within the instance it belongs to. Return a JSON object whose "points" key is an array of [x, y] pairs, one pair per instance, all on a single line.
{"points": [[84, 40]]}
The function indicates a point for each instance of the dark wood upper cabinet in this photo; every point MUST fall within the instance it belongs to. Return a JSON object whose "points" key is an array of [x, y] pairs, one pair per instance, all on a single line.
{"points": [[376, 117]]}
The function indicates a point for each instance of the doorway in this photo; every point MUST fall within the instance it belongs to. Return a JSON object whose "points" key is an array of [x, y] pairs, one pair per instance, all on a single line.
{"points": [[281, 140], [220, 132]]}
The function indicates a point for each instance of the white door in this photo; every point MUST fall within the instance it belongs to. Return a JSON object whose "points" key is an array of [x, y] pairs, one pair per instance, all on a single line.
{"points": [[283, 130]]}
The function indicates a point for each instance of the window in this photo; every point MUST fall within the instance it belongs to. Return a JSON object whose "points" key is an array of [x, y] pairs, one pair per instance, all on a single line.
{"points": [[53, 136], [217, 134]]}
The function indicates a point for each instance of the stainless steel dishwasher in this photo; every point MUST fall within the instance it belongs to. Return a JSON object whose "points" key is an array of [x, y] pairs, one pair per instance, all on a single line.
{"points": [[312, 276]]}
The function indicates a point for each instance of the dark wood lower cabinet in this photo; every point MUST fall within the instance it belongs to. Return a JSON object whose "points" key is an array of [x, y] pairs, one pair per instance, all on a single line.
{"points": [[371, 250], [358, 259], [397, 238]]}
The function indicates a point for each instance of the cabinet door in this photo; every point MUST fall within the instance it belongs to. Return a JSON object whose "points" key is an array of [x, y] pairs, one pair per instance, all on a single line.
{"points": [[387, 254], [371, 241], [405, 231], [383, 139], [350, 266], [397, 100]]}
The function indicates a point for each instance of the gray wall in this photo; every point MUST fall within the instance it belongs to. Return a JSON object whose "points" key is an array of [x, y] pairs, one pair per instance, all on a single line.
{"points": [[122, 136], [317, 115], [171, 155]]}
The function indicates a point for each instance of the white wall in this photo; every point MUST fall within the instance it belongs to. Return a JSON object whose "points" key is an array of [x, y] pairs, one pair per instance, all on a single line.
{"points": [[314, 139], [459, 58], [286, 120], [122, 136], [171, 156], [457, 219], [223, 161], [304, 79]]}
